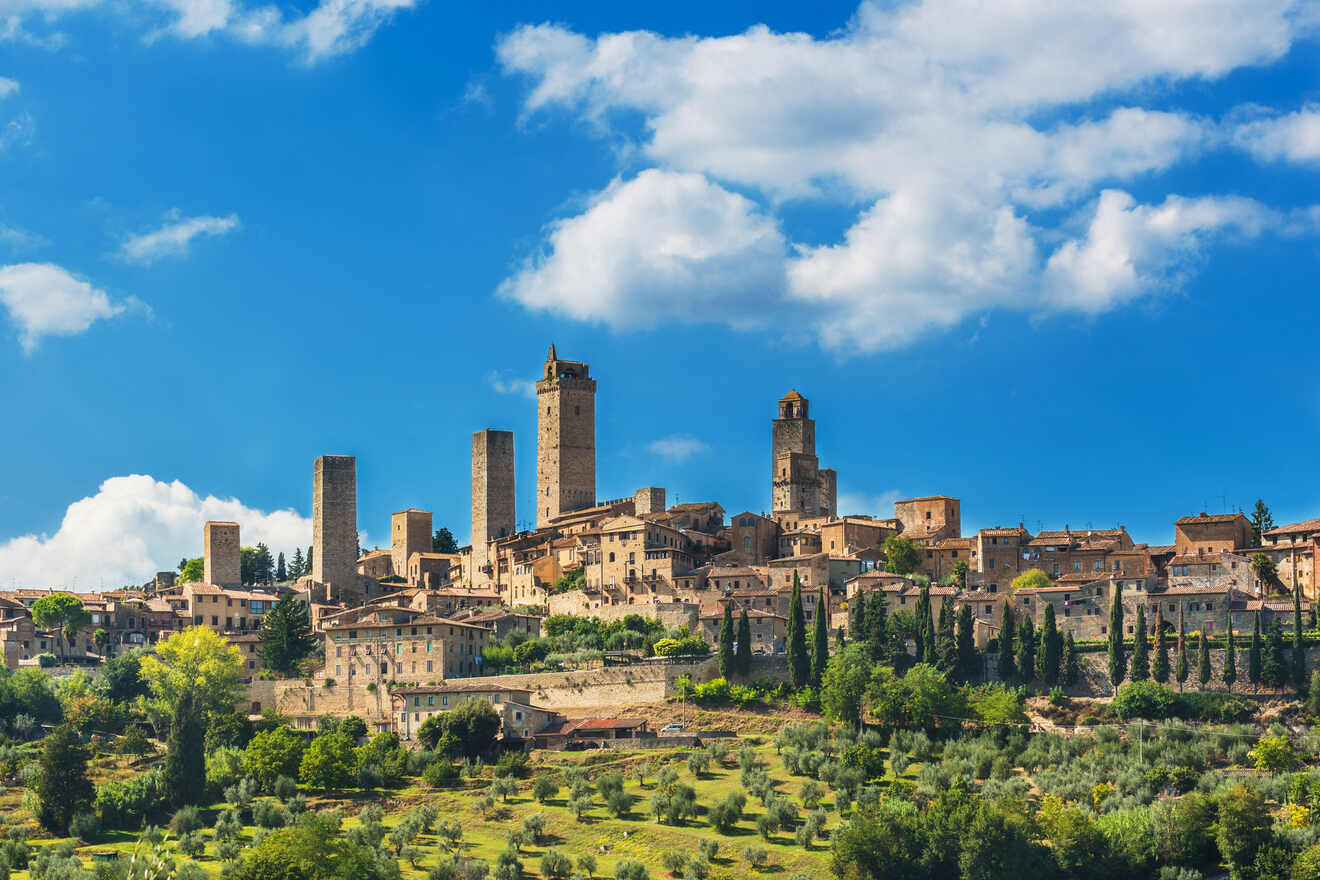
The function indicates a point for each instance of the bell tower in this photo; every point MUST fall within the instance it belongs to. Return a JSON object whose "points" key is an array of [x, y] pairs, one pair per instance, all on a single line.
{"points": [[794, 478], [565, 438]]}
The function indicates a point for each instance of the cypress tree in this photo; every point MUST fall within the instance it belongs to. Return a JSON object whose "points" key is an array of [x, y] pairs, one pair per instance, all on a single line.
{"points": [[1253, 653], [727, 667], [296, 565], [1071, 662], [743, 659], [1026, 652], [1049, 648], [1159, 667], [1140, 649], [820, 642], [62, 786], [968, 661], [1274, 669], [1230, 657], [184, 777], [1298, 646], [286, 635], [877, 627], [922, 613], [281, 571], [1006, 667], [857, 616], [799, 666], [1182, 671], [946, 642], [1203, 661], [1117, 658]]}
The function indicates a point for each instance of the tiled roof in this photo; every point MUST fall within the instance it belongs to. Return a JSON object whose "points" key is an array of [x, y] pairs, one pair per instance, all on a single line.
{"points": [[1205, 518], [1308, 525]]}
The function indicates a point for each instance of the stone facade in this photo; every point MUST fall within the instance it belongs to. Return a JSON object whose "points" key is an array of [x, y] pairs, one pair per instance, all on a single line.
{"points": [[1210, 533], [565, 439], [334, 523], [221, 554], [769, 630], [493, 497], [794, 474], [754, 538], [388, 645], [929, 519], [410, 532], [649, 500]]}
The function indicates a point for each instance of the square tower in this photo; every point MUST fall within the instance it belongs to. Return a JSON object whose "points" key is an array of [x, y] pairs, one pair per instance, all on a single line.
{"points": [[794, 474], [493, 504], [221, 554], [829, 492], [410, 532], [334, 521], [565, 439], [649, 500]]}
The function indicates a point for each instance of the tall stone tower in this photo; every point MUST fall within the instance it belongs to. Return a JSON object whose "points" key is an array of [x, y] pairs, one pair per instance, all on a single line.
{"points": [[795, 475], [410, 532], [565, 439], [493, 505], [334, 522], [221, 554]]}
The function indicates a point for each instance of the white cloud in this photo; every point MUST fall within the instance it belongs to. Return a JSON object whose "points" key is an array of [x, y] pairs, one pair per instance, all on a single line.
{"points": [[677, 448], [8, 87], [174, 238], [19, 239], [879, 505], [1294, 137], [947, 125], [659, 247], [46, 300], [133, 527], [502, 383]]}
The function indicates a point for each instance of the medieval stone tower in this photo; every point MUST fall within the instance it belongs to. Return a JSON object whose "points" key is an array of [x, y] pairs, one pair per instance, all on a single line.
{"points": [[797, 483], [493, 505], [221, 554], [565, 439], [334, 522], [410, 532]]}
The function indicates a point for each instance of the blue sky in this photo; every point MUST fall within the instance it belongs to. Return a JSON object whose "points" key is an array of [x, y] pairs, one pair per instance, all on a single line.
{"points": [[1061, 264]]}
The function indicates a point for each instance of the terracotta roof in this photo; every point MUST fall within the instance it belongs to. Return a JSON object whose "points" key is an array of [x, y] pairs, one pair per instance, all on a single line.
{"points": [[577, 724], [1308, 525], [1206, 558], [457, 689], [1204, 518], [1193, 591], [751, 612], [792, 395], [927, 498]]}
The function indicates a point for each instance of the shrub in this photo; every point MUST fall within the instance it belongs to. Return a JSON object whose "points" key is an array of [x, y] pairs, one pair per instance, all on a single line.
{"points": [[85, 825], [439, 774], [673, 860], [185, 819], [755, 855], [192, 844], [630, 870], [544, 788], [511, 764], [45, 661], [269, 814], [555, 864]]}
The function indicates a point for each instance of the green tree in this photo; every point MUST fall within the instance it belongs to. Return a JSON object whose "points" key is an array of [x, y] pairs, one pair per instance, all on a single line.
{"points": [[1242, 830], [820, 642], [1254, 653], [256, 566], [969, 661], [799, 668], [879, 638], [946, 639], [743, 657], [281, 570], [198, 660], [1005, 665], [120, 677], [1274, 754], [272, 754], [184, 778], [727, 660], [1050, 646], [1071, 662], [1261, 522], [466, 731], [902, 556], [960, 570], [192, 571], [844, 684], [329, 762], [1182, 671], [1026, 652], [1298, 664], [62, 614], [1117, 656], [286, 635], [101, 639], [312, 849], [1140, 647], [1203, 660], [61, 784], [297, 568], [1229, 674], [1265, 571], [1274, 670], [1159, 667], [1031, 579], [443, 542]]}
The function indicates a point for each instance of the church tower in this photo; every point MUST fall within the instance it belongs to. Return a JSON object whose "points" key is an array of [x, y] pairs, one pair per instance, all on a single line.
{"points": [[795, 477], [565, 439]]}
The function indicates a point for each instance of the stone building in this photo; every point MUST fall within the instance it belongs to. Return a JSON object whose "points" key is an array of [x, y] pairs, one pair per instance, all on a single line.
{"points": [[930, 518], [334, 524], [565, 439], [754, 538], [769, 630], [649, 500], [393, 644], [493, 497], [412, 706], [1294, 548], [410, 532], [221, 554], [796, 481], [1226, 571], [999, 556], [1210, 533]]}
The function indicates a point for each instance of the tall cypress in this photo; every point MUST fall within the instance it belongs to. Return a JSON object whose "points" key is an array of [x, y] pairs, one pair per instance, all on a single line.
{"points": [[1274, 668], [946, 640], [1140, 648], [743, 659], [857, 616], [1026, 649], [286, 635], [1253, 653], [727, 667], [968, 661], [877, 628], [1159, 667], [1203, 661], [1230, 657], [184, 777], [1117, 657], [1071, 663], [61, 784], [799, 666], [820, 642], [922, 614], [1182, 671], [1298, 646], [1005, 665], [1049, 648]]}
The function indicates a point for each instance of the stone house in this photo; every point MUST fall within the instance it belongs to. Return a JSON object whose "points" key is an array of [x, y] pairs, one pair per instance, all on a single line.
{"points": [[1211, 533], [930, 518], [769, 630], [1294, 548], [385, 645], [413, 705], [754, 538]]}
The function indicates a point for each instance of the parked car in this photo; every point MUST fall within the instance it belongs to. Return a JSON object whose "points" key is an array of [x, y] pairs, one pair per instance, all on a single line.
{"points": [[672, 728]]}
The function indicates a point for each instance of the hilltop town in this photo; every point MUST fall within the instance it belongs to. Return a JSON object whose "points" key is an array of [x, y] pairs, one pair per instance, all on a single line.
{"points": [[404, 624]]}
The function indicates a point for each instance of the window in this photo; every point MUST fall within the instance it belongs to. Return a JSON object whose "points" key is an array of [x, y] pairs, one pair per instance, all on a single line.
{"points": [[992, 563]]}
